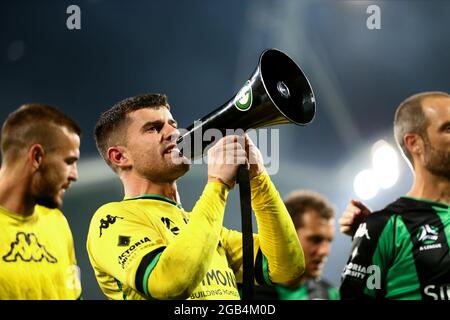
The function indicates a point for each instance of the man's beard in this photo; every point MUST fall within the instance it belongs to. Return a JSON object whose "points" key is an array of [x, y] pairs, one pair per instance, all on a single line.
{"points": [[167, 173], [48, 202], [437, 161], [47, 193]]}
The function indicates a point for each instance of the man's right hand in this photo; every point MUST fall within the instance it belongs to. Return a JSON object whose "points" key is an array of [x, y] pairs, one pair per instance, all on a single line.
{"points": [[224, 159], [355, 212]]}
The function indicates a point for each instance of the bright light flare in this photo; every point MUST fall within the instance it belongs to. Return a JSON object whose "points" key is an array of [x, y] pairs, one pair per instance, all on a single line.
{"points": [[366, 184], [385, 164]]}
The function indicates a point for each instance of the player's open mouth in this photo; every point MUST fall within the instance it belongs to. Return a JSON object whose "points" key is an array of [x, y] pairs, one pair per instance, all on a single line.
{"points": [[317, 264], [172, 148]]}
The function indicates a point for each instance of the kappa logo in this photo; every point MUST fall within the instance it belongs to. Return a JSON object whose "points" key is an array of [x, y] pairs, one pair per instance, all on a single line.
{"points": [[27, 248], [427, 234], [170, 225], [362, 231], [105, 223]]}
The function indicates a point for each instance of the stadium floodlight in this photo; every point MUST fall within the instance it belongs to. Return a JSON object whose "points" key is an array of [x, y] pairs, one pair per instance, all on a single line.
{"points": [[365, 184], [385, 164]]}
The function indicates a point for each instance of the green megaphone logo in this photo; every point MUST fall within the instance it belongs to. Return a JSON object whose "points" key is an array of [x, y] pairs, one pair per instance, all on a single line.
{"points": [[244, 98]]}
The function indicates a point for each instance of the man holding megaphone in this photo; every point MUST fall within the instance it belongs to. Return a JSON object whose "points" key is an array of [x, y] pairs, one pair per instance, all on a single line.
{"points": [[148, 247]]}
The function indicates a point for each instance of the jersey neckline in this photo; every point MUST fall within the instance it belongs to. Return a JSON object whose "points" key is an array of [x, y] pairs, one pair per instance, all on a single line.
{"points": [[17, 216], [441, 204], [154, 196]]}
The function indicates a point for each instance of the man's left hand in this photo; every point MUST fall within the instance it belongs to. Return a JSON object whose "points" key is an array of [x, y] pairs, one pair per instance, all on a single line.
{"points": [[254, 158]]}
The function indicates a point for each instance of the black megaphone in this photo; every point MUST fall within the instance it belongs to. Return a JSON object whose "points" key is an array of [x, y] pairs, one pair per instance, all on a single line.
{"points": [[278, 92]]}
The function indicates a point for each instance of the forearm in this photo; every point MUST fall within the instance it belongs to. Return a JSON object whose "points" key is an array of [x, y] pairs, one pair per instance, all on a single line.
{"points": [[185, 261], [277, 235]]}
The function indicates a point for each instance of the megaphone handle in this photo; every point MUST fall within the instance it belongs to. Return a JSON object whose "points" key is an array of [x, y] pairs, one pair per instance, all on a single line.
{"points": [[243, 179]]}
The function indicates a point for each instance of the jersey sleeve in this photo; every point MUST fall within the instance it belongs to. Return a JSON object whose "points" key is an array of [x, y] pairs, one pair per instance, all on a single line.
{"points": [[278, 238], [190, 254], [364, 275], [232, 242], [119, 240]]}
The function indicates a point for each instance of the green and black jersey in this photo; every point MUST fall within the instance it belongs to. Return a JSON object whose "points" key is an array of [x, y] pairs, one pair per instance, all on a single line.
{"points": [[401, 252], [312, 289]]}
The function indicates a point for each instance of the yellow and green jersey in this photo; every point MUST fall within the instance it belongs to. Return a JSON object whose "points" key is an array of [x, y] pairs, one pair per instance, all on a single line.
{"points": [[147, 246], [37, 256], [128, 236]]}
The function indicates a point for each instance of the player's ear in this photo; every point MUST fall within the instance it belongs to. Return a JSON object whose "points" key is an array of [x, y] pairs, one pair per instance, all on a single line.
{"points": [[414, 143], [35, 155], [118, 156]]}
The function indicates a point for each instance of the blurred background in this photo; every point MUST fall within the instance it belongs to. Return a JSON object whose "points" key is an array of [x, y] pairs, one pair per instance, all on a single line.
{"points": [[200, 53]]}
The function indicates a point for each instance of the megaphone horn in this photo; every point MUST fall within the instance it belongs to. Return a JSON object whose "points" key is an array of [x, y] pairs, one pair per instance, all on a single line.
{"points": [[278, 92]]}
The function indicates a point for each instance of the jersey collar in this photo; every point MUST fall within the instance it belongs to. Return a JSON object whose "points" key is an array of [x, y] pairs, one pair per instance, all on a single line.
{"points": [[436, 203], [17, 216], [153, 196]]}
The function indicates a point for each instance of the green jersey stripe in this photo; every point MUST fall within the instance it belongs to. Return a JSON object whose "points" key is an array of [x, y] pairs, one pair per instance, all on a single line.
{"points": [[146, 265], [430, 248]]}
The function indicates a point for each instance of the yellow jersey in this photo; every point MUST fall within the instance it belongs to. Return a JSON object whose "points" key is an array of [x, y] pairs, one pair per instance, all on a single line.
{"points": [[37, 256], [150, 241]]}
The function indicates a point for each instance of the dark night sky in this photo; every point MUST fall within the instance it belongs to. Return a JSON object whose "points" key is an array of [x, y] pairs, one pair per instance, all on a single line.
{"points": [[200, 53]]}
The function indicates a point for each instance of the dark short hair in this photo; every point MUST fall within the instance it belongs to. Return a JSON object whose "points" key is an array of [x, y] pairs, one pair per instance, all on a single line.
{"points": [[300, 201], [109, 128], [33, 123], [410, 118]]}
